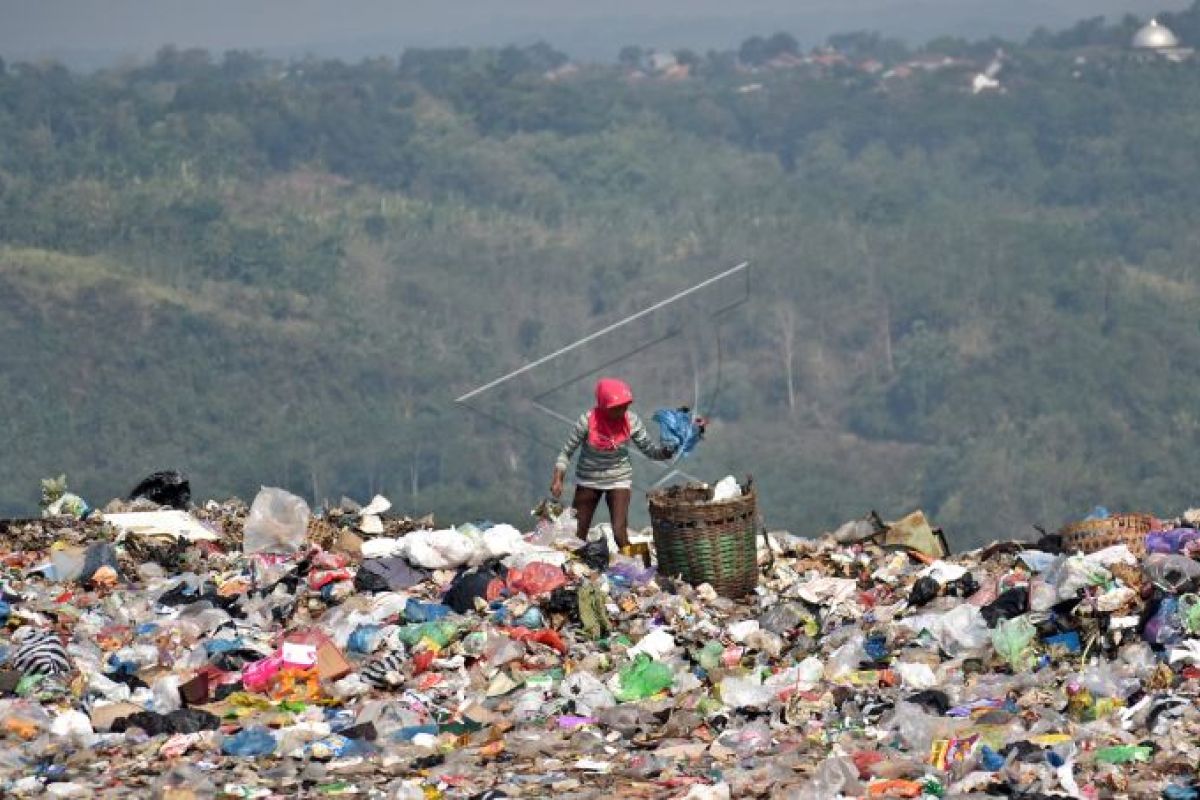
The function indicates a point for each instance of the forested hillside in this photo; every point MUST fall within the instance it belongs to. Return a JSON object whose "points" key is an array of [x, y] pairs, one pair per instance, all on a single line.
{"points": [[982, 303]]}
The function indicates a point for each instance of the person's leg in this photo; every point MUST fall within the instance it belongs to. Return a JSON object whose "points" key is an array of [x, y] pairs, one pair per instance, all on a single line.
{"points": [[586, 500], [618, 512]]}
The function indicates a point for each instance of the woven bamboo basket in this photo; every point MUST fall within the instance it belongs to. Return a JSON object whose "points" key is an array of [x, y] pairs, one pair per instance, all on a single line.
{"points": [[705, 542], [1092, 535]]}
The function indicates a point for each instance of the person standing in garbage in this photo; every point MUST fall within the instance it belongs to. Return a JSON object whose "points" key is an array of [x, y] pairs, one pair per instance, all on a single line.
{"points": [[604, 469]]}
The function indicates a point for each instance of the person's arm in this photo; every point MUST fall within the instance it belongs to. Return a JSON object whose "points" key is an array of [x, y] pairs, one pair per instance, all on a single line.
{"points": [[652, 451], [574, 439]]}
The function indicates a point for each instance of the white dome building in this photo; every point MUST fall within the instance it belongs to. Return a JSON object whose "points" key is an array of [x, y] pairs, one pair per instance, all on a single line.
{"points": [[1153, 36], [1157, 40]]}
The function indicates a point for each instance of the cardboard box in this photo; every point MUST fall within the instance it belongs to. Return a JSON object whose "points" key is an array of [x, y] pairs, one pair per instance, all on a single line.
{"points": [[331, 664]]}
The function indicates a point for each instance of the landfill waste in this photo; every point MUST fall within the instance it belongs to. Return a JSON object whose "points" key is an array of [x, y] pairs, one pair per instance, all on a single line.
{"points": [[277, 652]]}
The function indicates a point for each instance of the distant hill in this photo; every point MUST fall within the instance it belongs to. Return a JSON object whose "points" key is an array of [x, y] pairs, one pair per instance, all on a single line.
{"points": [[283, 272]]}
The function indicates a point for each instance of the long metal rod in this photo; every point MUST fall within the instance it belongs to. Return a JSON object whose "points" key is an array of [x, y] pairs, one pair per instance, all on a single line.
{"points": [[603, 331]]}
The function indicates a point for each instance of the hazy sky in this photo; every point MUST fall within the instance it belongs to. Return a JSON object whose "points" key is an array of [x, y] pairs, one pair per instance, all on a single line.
{"points": [[88, 31]]}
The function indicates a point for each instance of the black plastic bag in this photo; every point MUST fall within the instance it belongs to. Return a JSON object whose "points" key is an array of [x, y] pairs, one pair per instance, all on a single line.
{"points": [[167, 488], [924, 590], [565, 601], [931, 700], [595, 554], [388, 575], [470, 584], [366, 580], [1010, 604], [963, 587], [184, 720]]}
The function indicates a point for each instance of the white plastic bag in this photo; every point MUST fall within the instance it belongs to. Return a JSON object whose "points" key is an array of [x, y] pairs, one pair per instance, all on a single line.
{"points": [[166, 694], [738, 631], [589, 694], [747, 692], [278, 523], [381, 547], [560, 529], [726, 489], [73, 725], [958, 631], [658, 644], [916, 675], [500, 541], [444, 549]]}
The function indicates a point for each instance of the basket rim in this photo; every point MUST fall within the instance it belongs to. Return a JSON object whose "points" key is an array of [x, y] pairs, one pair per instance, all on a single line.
{"points": [[1117, 524], [658, 497]]}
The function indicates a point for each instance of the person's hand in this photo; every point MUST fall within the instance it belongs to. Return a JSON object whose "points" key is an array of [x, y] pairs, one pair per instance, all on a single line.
{"points": [[556, 485]]}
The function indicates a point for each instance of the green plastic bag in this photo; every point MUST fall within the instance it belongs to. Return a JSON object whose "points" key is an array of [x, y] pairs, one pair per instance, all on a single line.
{"points": [[709, 656], [643, 678], [439, 632], [1013, 640], [1189, 609], [1123, 754]]}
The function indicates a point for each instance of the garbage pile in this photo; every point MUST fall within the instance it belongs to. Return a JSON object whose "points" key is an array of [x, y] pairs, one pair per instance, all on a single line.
{"points": [[156, 651]]}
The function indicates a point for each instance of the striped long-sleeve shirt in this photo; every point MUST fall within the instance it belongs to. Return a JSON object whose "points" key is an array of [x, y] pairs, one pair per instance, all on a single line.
{"points": [[607, 469]]}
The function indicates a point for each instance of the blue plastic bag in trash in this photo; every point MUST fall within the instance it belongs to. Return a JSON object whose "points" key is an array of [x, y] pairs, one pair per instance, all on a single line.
{"points": [[678, 429]]}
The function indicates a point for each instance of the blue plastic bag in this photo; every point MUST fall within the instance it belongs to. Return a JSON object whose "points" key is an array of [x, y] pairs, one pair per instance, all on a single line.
{"points": [[256, 741], [365, 639], [678, 429], [416, 611]]}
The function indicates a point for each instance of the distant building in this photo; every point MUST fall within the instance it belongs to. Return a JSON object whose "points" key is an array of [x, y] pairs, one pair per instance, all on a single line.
{"points": [[562, 73], [1155, 40], [660, 61]]}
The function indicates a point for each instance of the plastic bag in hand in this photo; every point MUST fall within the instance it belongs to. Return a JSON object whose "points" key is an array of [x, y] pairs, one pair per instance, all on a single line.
{"points": [[678, 430]]}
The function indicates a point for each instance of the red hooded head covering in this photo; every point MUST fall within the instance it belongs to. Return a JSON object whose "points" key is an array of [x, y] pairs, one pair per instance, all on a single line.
{"points": [[605, 433]]}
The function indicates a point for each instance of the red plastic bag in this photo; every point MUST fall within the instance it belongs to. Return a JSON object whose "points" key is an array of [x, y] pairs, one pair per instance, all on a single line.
{"points": [[537, 578], [320, 578], [323, 559], [422, 662], [545, 636]]}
